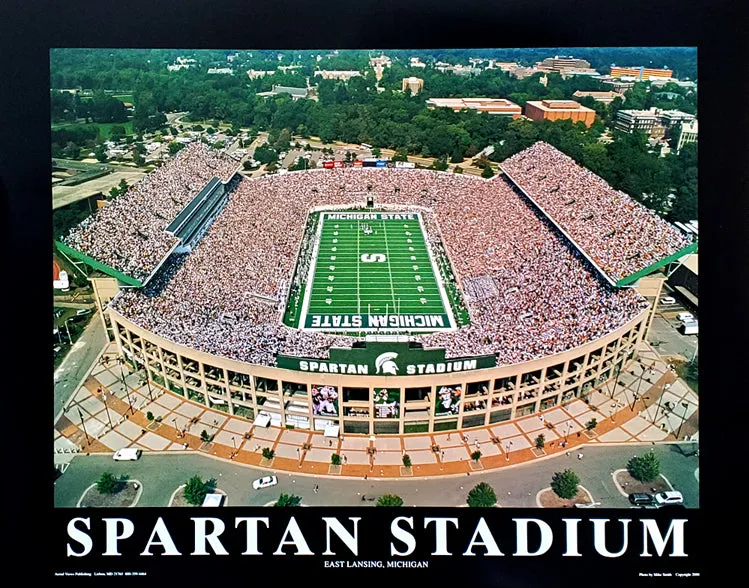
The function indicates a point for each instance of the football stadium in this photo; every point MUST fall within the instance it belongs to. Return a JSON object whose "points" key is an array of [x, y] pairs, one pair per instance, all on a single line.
{"points": [[375, 300]]}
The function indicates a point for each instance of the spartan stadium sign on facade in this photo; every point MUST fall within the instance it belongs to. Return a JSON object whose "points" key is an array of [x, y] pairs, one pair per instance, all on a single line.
{"points": [[386, 359]]}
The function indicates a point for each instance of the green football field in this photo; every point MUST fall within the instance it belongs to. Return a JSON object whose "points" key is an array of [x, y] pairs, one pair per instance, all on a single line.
{"points": [[373, 273]]}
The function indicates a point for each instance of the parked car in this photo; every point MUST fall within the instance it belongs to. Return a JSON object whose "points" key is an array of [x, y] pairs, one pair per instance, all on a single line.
{"points": [[685, 316], [641, 499], [127, 454], [265, 482], [82, 311], [669, 497], [668, 300]]}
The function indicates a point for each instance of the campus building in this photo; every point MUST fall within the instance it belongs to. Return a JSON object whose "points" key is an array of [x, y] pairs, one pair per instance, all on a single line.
{"points": [[343, 75], [603, 97], [654, 122], [539, 110], [565, 66], [415, 85], [687, 134], [490, 105], [295, 93], [641, 74]]}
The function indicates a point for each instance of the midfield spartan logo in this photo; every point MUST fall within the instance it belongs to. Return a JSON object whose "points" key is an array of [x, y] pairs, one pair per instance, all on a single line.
{"points": [[385, 364]]}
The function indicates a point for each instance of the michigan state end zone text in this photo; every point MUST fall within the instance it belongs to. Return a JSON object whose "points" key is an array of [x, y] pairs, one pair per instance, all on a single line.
{"points": [[377, 321]]}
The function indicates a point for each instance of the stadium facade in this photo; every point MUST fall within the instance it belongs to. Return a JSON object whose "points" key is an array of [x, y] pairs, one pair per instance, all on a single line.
{"points": [[365, 402], [382, 383]]}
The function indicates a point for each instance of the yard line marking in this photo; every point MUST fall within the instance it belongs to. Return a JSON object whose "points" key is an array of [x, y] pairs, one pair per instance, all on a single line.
{"points": [[358, 258], [390, 271]]}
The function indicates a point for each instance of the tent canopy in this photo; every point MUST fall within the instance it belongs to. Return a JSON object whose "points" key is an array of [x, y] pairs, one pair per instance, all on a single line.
{"points": [[332, 431]]}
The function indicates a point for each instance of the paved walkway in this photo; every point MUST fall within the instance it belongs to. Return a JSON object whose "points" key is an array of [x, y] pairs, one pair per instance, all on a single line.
{"points": [[100, 419]]}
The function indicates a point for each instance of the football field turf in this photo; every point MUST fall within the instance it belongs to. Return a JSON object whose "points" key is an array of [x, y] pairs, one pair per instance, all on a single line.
{"points": [[373, 273]]}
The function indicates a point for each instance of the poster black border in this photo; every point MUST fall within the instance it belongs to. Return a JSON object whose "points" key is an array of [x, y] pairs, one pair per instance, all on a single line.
{"points": [[31, 28]]}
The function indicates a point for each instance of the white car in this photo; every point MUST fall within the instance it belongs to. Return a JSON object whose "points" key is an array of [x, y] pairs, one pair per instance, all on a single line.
{"points": [[265, 482], [669, 497], [668, 300], [685, 317], [127, 454], [82, 311]]}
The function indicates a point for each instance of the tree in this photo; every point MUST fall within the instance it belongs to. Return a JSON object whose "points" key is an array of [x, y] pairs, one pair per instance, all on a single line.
{"points": [[288, 500], [71, 151], [482, 496], [389, 500], [116, 132], [645, 468], [219, 144], [265, 155], [476, 456], [108, 483], [335, 459], [407, 461], [400, 154], [591, 424], [271, 167], [458, 169], [564, 484], [196, 489], [487, 172], [268, 453], [440, 164], [540, 441], [123, 186], [100, 153], [376, 152], [205, 436], [138, 159], [175, 147]]}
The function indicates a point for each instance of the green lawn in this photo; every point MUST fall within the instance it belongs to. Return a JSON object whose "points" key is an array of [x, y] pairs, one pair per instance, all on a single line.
{"points": [[123, 97], [382, 280], [105, 129]]}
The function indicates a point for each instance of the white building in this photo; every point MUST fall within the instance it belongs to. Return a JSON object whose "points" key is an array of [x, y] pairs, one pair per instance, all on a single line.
{"points": [[687, 134], [220, 70]]}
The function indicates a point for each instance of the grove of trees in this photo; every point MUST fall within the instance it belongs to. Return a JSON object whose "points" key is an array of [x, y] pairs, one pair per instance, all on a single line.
{"points": [[364, 110]]}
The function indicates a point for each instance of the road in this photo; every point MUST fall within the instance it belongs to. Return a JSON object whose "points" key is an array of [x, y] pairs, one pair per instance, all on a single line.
{"points": [[78, 361], [161, 474]]}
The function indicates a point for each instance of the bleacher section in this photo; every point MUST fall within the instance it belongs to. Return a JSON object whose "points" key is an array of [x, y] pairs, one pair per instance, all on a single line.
{"points": [[622, 239], [132, 236]]}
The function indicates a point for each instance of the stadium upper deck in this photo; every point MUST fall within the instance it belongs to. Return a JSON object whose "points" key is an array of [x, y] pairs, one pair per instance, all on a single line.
{"points": [[131, 236], [623, 239]]}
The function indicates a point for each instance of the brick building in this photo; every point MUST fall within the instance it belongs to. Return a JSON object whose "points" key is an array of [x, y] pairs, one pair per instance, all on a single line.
{"points": [[490, 105], [539, 110]]}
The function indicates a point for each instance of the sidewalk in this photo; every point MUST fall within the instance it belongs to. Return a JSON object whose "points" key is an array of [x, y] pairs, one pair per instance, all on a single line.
{"points": [[655, 416]]}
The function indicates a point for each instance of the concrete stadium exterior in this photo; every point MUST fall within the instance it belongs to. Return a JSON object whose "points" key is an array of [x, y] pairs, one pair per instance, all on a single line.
{"points": [[285, 396]]}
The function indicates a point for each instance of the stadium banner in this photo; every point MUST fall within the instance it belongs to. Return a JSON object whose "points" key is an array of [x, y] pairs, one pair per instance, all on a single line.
{"points": [[386, 359], [328, 164], [447, 400], [325, 401], [386, 403]]}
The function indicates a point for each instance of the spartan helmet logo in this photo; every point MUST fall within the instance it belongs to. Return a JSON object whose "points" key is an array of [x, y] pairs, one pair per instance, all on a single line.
{"points": [[385, 364]]}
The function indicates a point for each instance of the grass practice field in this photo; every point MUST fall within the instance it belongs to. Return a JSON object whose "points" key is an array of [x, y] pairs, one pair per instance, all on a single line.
{"points": [[373, 273]]}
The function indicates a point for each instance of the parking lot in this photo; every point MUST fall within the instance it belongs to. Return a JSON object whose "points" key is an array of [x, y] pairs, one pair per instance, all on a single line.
{"points": [[664, 333]]}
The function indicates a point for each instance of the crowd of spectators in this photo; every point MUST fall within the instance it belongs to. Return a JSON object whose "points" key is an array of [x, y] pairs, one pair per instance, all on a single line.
{"points": [[620, 235], [128, 233], [535, 293]]}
